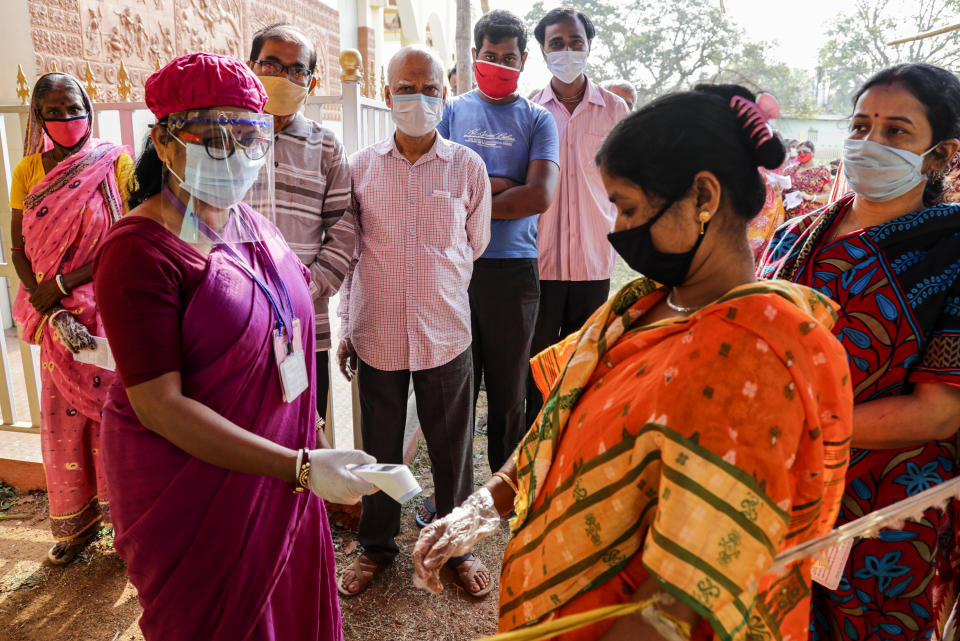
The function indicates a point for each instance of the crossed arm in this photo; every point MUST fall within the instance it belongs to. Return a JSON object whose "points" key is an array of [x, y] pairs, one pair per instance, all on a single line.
{"points": [[512, 200]]}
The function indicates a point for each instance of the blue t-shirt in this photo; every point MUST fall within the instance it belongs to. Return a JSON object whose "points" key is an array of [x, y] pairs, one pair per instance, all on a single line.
{"points": [[508, 138]]}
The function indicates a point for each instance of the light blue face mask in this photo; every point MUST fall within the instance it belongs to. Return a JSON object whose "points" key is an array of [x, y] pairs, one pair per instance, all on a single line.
{"points": [[221, 183], [881, 173]]}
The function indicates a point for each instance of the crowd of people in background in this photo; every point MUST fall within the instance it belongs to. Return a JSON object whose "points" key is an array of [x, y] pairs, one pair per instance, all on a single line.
{"points": [[782, 364]]}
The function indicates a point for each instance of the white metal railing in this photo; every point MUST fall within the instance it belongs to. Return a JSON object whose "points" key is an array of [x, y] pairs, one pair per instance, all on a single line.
{"points": [[363, 122]]}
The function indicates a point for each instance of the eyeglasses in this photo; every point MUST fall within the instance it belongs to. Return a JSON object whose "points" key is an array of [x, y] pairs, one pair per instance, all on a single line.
{"points": [[221, 147], [295, 72]]}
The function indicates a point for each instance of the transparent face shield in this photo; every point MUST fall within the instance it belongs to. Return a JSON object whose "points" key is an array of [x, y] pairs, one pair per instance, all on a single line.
{"points": [[218, 176]]}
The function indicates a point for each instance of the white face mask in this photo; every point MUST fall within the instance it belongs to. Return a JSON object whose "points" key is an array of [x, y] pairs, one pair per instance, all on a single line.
{"points": [[416, 114], [881, 173], [567, 66]]}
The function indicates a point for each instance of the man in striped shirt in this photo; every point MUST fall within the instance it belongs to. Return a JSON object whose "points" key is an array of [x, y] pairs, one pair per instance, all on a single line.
{"points": [[313, 188]]}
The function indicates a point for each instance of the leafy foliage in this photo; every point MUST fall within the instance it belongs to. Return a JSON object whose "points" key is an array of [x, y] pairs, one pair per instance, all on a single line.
{"points": [[858, 43], [669, 46], [7, 498]]}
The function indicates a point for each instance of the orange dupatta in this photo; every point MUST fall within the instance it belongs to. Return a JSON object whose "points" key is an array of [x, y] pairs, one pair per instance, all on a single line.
{"points": [[705, 444]]}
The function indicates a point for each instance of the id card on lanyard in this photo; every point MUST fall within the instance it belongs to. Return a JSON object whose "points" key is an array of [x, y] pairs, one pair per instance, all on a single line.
{"points": [[287, 335], [292, 364]]}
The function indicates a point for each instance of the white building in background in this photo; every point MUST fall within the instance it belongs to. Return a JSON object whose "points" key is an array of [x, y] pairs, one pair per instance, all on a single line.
{"points": [[379, 28]]}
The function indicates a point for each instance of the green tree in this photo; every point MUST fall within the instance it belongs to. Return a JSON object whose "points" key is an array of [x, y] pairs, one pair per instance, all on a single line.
{"points": [[858, 43], [668, 46], [750, 67]]}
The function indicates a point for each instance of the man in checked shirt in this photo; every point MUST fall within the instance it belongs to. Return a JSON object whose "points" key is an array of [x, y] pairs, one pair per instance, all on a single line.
{"points": [[313, 203], [423, 214]]}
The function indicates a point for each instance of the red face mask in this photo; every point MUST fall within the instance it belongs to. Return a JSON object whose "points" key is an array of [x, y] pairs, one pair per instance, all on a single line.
{"points": [[67, 132], [804, 156], [495, 81]]}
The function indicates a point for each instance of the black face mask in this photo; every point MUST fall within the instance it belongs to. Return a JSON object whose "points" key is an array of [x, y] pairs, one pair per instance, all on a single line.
{"points": [[636, 247]]}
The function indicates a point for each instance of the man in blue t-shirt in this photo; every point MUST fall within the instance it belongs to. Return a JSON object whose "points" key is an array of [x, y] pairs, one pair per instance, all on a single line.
{"points": [[518, 141]]}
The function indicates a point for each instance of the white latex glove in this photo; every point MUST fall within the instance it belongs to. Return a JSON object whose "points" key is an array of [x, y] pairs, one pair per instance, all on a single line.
{"points": [[453, 535], [72, 332], [333, 482]]}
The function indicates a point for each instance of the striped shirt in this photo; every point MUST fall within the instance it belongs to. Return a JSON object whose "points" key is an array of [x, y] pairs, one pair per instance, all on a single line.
{"points": [[314, 209], [572, 238], [404, 304]]}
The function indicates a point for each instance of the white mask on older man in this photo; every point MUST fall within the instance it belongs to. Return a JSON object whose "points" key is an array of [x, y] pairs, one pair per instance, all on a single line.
{"points": [[416, 114]]}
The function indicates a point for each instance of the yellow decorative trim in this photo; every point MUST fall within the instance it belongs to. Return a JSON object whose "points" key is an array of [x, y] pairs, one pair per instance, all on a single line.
{"points": [[23, 90], [91, 83], [124, 88], [555, 627]]}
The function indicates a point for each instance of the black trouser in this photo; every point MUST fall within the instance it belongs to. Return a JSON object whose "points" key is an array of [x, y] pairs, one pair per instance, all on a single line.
{"points": [[565, 305], [504, 294], [446, 417], [323, 382]]}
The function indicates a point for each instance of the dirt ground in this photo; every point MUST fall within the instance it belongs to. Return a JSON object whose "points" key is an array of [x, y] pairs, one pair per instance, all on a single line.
{"points": [[91, 600]]}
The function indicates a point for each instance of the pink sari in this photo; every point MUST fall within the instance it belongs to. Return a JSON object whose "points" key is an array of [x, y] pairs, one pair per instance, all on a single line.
{"points": [[65, 217]]}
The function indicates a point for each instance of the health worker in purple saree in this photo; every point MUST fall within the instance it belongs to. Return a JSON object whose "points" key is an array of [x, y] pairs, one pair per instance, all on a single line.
{"points": [[208, 437]]}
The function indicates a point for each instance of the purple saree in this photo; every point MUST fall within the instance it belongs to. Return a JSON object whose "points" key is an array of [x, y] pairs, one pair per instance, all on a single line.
{"points": [[215, 555]]}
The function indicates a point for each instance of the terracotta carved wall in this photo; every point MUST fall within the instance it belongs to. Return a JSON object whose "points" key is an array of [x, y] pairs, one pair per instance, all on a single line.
{"points": [[69, 34]]}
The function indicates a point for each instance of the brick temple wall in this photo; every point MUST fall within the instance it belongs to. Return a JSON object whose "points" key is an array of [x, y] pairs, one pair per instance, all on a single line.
{"points": [[70, 33]]}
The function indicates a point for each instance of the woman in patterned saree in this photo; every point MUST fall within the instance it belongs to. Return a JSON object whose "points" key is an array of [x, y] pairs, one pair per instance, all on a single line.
{"points": [[694, 427], [66, 192], [810, 182], [890, 257]]}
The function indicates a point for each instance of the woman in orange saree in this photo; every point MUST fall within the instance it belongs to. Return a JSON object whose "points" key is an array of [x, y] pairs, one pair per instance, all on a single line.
{"points": [[698, 423]]}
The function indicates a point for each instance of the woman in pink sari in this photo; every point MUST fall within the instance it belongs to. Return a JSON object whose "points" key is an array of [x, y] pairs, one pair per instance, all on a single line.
{"points": [[65, 194], [209, 433]]}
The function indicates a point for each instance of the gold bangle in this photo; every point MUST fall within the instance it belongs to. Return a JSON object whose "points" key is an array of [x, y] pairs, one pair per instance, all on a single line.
{"points": [[506, 479], [303, 476]]}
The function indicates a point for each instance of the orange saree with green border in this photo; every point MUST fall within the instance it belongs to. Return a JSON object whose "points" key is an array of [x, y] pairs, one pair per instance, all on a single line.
{"points": [[693, 450]]}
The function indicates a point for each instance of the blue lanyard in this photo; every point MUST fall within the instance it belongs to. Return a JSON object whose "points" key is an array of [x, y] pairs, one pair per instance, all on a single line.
{"points": [[285, 328]]}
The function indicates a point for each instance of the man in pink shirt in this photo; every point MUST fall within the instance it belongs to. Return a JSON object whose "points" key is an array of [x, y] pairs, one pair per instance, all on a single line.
{"points": [[423, 214], [575, 258]]}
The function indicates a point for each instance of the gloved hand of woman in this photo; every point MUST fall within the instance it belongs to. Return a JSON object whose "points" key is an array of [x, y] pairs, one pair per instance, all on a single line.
{"points": [[333, 482], [72, 332], [453, 535]]}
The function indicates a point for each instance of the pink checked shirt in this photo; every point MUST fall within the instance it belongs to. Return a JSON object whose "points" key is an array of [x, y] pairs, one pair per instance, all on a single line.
{"points": [[404, 302], [572, 235]]}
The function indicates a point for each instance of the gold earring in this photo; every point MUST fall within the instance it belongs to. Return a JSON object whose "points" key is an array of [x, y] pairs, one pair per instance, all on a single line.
{"points": [[705, 217]]}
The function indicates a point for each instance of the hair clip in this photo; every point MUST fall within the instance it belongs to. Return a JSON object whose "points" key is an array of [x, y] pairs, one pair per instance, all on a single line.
{"points": [[753, 120]]}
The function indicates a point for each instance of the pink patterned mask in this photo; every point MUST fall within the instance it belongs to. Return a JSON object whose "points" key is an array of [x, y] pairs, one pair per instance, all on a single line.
{"points": [[67, 132]]}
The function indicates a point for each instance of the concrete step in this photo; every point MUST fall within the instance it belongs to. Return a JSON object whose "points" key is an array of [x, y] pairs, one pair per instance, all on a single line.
{"points": [[21, 464]]}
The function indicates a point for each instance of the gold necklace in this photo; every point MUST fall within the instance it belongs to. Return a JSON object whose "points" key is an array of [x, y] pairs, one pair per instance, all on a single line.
{"points": [[576, 98]]}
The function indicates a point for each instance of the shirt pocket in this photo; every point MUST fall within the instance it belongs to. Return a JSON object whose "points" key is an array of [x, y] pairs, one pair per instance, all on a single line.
{"points": [[588, 145], [443, 220]]}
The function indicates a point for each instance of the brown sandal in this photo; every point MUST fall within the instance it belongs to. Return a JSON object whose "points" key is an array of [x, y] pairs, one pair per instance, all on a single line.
{"points": [[364, 570], [65, 551], [467, 572]]}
